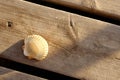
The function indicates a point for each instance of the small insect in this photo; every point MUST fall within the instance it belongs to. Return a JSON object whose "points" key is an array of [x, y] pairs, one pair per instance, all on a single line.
{"points": [[35, 47]]}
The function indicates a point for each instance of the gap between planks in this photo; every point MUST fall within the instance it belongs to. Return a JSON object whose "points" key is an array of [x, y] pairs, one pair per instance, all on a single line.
{"points": [[89, 8]]}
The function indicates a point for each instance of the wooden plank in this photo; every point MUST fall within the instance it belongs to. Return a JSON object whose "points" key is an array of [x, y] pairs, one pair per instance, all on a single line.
{"points": [[106, 8], [79, 47], [8, 74]]}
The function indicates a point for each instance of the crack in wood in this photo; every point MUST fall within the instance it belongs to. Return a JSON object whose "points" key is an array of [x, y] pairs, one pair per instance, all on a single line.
{"points": [[72, 29], [117, 58]]}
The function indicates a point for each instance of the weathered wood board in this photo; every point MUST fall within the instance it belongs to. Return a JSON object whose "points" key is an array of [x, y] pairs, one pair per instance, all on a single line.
{"points": [[110, 8], [79, 47], [8, 74]]}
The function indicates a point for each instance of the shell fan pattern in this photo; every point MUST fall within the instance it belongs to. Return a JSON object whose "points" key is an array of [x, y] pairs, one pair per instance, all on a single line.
{"points": [[35, 47]]}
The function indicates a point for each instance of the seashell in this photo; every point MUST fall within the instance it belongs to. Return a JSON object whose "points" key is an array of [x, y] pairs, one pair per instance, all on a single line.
{"points": [[35, 47]]}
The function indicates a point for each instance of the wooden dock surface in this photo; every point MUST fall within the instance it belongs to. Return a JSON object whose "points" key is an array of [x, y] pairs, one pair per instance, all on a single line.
{"points": [[79, 47]]}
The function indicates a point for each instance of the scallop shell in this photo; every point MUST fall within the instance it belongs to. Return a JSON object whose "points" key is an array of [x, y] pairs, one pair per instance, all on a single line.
{"points": [[35, 47]]}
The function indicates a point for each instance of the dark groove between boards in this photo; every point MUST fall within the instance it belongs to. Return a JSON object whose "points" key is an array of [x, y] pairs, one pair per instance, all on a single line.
{"points": [[33, 70], [78, 11]]}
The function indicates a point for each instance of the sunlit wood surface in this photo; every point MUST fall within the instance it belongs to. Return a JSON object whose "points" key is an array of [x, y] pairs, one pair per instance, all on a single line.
{"points": [[79, 46]]}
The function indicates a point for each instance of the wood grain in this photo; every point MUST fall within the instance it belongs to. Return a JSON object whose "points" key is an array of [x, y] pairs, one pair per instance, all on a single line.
{"points": [[106, 8], [8, 74], [79, 47]]}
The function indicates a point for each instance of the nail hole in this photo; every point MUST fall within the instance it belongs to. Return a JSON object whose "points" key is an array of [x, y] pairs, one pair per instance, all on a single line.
{"points": [[9, 24]]}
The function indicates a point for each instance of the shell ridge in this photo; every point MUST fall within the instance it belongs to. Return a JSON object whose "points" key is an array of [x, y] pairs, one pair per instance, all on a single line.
{"points": [[39, 42]]}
